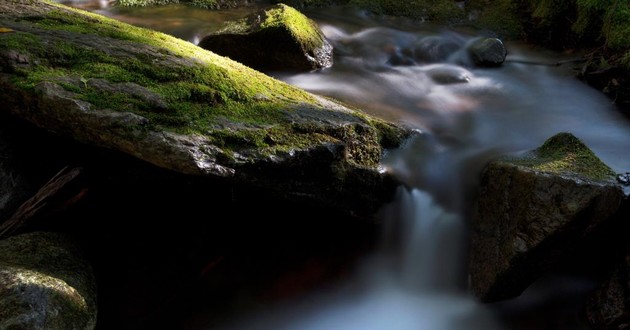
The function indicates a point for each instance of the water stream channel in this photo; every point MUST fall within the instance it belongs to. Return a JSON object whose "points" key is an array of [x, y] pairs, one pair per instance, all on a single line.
{"points": [[417, 280]]}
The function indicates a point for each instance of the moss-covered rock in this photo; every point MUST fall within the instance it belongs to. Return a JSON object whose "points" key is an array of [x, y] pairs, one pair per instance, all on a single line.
{"points": [[564, 154], [277, 38], [45, 284], [533, 211], [176, 105]]}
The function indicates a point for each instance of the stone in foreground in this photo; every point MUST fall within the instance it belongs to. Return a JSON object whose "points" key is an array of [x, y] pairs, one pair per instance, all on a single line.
{"points": [[533, 210], [45, 284]]}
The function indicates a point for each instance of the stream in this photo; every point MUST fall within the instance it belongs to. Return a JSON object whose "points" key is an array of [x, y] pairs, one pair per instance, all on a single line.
{"points": [[416, 280]]}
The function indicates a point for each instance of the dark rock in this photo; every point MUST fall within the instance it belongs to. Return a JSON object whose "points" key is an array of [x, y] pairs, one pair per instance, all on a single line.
{"points": [[608, 307], [533, 210], [45, 284], [278, 38], [487, 52]]}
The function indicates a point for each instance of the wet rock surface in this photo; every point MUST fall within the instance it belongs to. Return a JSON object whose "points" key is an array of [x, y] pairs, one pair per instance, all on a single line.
{"points": [[529, 217]]}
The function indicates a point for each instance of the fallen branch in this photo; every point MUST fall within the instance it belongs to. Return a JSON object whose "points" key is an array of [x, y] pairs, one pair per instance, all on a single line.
{"points": [[57, 194]]}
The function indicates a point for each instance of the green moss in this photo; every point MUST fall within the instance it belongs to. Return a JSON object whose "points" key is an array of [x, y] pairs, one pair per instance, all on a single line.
{"points": [[208, 88], [270, 138], [283, 17], [433, 10], [565, 154], [301, 27]]}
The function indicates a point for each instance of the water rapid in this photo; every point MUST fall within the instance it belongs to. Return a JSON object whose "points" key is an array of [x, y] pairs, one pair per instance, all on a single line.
{"points": [[465, 116]]}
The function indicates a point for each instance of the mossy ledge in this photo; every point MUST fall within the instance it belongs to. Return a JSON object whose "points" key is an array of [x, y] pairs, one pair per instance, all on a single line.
{"points": [[565, 154], [175, 105]]}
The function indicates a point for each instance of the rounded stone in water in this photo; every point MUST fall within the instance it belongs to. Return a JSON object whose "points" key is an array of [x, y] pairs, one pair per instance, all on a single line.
{"points": [[445, 74], [487, 52]]}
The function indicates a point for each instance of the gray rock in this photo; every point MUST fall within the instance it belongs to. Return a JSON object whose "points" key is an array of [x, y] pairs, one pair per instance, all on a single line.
{"points": [[487, 52], [45, 284], [278, 38], [533, 210]]}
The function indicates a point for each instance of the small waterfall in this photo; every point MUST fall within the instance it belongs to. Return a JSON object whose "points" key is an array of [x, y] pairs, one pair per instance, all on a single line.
{"points": [[432, 240], [412, 284]]}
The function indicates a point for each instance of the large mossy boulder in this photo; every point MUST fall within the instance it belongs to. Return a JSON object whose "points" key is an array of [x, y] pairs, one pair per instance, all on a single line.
{"points": [[45, 284], [177, 106], [278, 38], [533, 211]]}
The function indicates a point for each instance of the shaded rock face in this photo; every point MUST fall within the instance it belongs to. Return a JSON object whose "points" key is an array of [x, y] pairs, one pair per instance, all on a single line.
{"points": [[14, 186], [532, 211], [45, 284], [279, 38], [608, 307], [22, 172]]}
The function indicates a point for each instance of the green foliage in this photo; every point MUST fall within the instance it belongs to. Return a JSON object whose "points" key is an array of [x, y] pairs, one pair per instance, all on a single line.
{"points": [[502, 17], [208, 4], [433, 10], [617, 26]]}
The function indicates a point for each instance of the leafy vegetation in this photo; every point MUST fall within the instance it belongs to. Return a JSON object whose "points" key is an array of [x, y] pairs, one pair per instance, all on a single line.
{"points": [[433, 10]]}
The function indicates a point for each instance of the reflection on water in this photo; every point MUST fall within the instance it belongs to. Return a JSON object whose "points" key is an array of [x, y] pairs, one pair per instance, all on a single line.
{"points": [[420, 75], [185, 22]]}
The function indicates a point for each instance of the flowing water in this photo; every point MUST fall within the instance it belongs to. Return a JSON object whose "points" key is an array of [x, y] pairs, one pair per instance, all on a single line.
{"points": [[465, 115]]}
